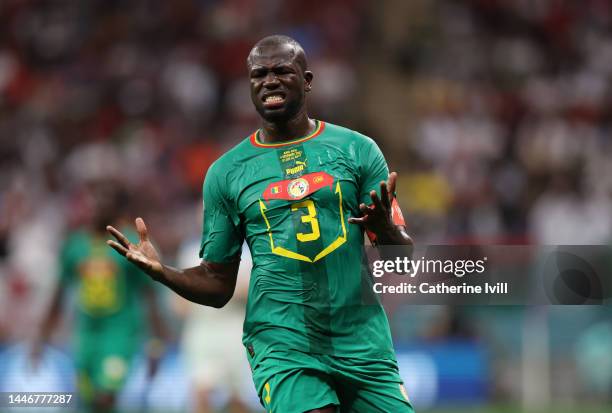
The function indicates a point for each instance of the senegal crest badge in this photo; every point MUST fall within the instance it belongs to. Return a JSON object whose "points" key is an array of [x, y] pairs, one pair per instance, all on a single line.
{"points": [[297, 188]]}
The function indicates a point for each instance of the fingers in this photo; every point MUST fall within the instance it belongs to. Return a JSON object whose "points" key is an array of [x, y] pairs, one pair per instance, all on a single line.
{"points": [[375, 200], [391, 183], [142, 229], [117, 247], [387, 190], [132, 256], [384, 195], [132, 252], [140, 260], [119, 236], [364, 218]]}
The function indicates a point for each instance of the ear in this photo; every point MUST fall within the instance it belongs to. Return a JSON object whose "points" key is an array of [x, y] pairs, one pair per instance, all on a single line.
{"points": [[308, 76]]}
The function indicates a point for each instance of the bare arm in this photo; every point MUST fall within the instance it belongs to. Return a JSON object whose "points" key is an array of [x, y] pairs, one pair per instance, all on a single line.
{"points": [[209, 284]]}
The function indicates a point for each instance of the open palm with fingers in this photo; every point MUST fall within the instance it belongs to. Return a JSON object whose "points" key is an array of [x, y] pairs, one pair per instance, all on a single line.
{"points": [[142, 254], [377, 217], [383, 217]]}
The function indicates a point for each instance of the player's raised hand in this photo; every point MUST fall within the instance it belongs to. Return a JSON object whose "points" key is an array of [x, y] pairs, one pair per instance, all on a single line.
{"points": [[142, 254], [377, 216], [383, 217]]}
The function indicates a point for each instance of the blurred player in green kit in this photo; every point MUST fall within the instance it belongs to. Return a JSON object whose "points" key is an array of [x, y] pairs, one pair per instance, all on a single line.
{"points": [[315, 334], [110, 296]]}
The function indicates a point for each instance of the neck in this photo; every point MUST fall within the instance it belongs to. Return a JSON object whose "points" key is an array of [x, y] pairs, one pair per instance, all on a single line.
{"points": [[296, 127]]}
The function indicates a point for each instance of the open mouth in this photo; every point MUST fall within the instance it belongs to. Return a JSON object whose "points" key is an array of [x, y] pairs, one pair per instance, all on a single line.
{"points": [[273, 100]]}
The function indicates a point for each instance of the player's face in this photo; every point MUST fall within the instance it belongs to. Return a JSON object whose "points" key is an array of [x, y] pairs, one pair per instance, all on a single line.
{"points": [[278, 83]]}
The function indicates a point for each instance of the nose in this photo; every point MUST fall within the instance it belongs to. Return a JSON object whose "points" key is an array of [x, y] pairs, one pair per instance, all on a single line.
{"points": [[270, 81]]}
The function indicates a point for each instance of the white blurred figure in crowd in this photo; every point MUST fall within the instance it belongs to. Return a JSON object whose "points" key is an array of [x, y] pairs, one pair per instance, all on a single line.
{"points": [[568, 213], [216, 363], [34, 219]]}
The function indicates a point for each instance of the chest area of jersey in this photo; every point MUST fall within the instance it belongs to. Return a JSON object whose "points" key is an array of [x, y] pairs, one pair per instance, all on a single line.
{"points": [[299, 200], [286, 176]]}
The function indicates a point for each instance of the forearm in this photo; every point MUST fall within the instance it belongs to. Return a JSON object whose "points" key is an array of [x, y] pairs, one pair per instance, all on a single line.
{"points": [[199, 284], [209, 283]]}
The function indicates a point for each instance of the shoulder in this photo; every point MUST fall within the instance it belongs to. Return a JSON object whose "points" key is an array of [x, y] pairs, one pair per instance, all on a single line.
{"points": [[350, 135], [222, 176], [227, 162], [359, 147]]}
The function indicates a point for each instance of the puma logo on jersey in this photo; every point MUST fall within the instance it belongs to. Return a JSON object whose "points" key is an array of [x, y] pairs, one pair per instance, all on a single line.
{"points": [[299, 167]]}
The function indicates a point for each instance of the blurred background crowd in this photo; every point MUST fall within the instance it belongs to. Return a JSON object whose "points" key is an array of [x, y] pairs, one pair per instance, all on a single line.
{"points": [[496, 114]]}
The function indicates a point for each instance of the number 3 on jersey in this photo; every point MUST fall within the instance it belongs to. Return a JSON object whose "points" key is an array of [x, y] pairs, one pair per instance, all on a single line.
{"points": [[309, 218]]}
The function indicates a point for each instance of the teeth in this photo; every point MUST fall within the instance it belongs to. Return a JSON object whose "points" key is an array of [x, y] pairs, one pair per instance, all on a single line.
{"points": [[274, 99]]}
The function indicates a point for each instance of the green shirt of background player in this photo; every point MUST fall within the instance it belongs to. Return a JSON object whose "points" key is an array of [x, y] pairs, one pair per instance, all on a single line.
{"points": [[303, 375], [110, 294]]}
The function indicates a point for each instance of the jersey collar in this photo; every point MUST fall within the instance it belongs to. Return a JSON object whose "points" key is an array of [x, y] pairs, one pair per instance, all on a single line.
{"points": [[320, 125]]}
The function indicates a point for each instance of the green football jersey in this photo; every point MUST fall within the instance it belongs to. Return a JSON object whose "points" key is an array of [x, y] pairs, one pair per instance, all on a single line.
{"points": [[310, 289], [108, 287]]}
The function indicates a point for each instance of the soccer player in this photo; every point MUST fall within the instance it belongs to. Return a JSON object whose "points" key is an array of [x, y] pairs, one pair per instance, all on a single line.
{"points": [[109, 295], [316, 337]]}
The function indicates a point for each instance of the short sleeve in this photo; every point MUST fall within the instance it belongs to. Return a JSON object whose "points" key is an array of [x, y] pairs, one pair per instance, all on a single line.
{"points": [[221, 234], [373, 169]]}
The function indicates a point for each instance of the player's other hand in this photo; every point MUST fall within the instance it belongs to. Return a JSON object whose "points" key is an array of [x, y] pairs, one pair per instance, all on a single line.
{"points": [[142, 254], [382, 219], [377, 217]]}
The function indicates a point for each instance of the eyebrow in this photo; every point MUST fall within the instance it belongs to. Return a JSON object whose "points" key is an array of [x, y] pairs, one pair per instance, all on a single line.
{"points": [[256, 67]]}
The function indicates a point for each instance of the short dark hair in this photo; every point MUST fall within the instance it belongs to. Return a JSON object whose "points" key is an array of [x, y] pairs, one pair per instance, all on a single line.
{"points": [[278, 40]]}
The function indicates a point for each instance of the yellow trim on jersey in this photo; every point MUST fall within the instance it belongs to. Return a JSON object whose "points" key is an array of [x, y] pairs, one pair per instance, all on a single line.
{"points": [[340, 240], [280, 250], [296, 256], [255, 137], [267, 399]]}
